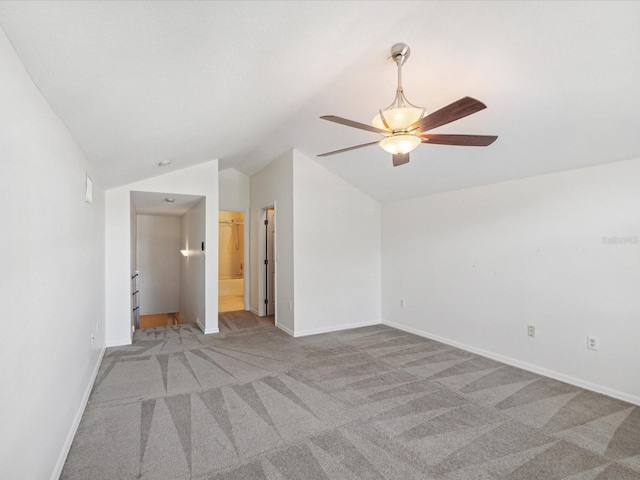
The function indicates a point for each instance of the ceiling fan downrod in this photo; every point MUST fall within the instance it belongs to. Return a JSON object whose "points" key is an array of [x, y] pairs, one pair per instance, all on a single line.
{"points": [[400, 52]]}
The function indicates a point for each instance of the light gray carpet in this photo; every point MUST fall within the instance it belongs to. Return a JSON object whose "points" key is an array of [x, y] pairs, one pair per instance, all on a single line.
{"points": [[238, 319], [369, 403]]}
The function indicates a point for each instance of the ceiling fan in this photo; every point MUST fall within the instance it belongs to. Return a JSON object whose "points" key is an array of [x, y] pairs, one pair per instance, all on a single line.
{"points": [[403, 125]]}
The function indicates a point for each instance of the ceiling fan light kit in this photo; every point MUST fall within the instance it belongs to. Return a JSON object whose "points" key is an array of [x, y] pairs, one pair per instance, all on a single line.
{"points": [[403, 124], [397, 118], [398, 144]]}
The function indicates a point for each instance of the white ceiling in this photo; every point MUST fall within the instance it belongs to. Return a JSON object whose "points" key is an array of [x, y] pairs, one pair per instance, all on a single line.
{"points": [[154, 203], [140, 82]]}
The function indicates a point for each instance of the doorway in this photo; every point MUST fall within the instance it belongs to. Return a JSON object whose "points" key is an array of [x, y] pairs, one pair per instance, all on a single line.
{"points": [[168, 258], [158, 260], [231, 261]]}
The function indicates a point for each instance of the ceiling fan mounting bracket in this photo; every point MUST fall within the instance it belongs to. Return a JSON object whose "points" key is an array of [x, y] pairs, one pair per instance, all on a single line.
{"points": [[400, 53]]}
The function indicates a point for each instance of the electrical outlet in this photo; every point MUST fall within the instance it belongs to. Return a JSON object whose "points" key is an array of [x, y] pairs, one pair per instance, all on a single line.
{"points": [[93, 337], [531, 330], [402, 302], [592, 343]]}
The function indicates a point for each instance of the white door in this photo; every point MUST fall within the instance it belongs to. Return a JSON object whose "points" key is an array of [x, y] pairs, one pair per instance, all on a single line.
{"points": [[270, 277]]}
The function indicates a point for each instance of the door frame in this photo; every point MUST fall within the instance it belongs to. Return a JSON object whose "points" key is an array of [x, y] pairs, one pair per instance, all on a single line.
{"points": [[262, 256]]}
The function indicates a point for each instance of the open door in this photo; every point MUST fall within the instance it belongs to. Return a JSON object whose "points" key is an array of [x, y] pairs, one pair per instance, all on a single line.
{"points": [[269, 264]]}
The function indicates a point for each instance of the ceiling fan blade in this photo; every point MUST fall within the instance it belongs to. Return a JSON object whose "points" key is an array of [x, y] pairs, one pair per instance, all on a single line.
{"points": [[351, 123], [455, 111], [347, 149], [461, 140], [400, 159]]}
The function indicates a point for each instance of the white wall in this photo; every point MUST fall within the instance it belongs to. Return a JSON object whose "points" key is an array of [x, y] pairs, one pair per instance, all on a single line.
{"points": [[234, 190], [51, 283], [336, 250], [274, 185], [477, 266], [158, 257], [198, 180], [133, 245], [192, 268]]}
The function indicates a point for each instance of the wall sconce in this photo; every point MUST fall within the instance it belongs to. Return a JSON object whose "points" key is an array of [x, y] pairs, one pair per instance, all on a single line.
{"points": [[184, 253]]}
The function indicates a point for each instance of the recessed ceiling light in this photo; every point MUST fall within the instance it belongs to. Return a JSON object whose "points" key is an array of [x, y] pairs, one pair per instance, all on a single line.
{"points": [[169, 200], [164, 163]]}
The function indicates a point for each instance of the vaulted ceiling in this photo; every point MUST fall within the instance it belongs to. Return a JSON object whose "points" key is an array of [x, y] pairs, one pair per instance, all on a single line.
{"points": [[141, 82]]}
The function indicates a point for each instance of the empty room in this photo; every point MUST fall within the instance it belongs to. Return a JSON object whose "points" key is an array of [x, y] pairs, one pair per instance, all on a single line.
{"points": [[288, 240]]}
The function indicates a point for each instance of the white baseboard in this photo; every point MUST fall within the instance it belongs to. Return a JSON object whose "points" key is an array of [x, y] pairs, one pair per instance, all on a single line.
{"points": [[523, 365], [336, 328], [76, 420], [204, 330], [118, 343], [285, 329]]}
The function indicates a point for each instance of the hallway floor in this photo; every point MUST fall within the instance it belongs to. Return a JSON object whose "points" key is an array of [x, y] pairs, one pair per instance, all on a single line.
{"points": [[160, 320], [230, 303]]}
